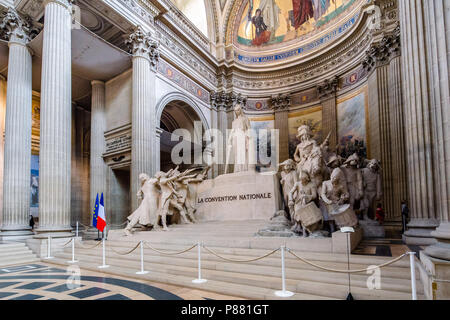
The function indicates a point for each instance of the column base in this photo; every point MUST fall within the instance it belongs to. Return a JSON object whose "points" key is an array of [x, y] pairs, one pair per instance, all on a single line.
{"points": [[433, 270], [16, 233], [440, 250], [44, 233], [419, 232]]}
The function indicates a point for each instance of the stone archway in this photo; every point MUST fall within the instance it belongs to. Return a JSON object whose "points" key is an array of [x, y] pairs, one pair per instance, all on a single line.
{"points": [[177, 111]]}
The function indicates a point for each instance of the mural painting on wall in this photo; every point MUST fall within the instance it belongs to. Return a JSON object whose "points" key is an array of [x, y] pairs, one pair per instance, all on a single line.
{"points": [[352, 124], [263, 145], [266, 22], [311, 117]]}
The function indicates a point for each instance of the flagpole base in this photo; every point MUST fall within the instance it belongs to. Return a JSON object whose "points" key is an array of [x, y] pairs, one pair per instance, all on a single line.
{"points": [[198, 281], [142, 272], [284, 294], [103, 267]]}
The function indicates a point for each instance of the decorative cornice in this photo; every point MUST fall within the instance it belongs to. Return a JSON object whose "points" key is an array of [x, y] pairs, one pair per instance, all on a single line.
{"points": [[281, 102], [16, 28], [328, 88], [143, 45]]}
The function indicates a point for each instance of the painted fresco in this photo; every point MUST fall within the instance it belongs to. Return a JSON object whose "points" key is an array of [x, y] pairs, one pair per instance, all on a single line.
{"points": [[311, 117], [267, 123], [352, 124], [271, 22]]}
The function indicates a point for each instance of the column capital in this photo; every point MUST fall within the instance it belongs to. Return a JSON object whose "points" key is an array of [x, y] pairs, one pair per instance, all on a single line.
{"points": [[17, 29], [382, 52], [221, 100], [97, 83], [143, 45], [65, 3], [281, 102], [328, 88]]}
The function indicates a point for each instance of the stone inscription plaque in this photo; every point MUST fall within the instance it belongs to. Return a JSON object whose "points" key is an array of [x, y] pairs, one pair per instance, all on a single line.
{"points": [[118, 143]]}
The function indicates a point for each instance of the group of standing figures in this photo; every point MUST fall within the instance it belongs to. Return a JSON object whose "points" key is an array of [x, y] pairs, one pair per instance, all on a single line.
{"points": [[320, 186], [166, 194]]}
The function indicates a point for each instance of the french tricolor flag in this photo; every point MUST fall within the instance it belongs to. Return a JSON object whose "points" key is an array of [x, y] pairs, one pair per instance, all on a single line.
{"points": [[99, 218]]}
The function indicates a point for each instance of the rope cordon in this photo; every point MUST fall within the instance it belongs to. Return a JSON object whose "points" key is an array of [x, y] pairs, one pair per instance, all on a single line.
{"points": [[240, 261], [347, 271], [169, 253]]}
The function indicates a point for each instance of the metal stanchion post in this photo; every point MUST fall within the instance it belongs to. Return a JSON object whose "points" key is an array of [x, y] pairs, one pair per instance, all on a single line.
{"points": [[199, 253], [283, 293], [104, 266], [412, 263], [49, 248], [77, 230], [142, 260], [73, 252]]}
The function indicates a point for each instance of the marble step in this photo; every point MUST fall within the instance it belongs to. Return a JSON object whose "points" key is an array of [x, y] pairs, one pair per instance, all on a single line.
{"points": [[12, 253], [273, 281], [390, 279], [361, 260], [389, 274], [19, 259], [233, 289]]}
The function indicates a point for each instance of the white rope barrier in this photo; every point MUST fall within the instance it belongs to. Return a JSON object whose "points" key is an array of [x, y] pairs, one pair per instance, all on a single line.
{"points": [[142, 260], [283, 293], [104, 265], [73, 252], [199, 280], [49, 248], [412, 256]]}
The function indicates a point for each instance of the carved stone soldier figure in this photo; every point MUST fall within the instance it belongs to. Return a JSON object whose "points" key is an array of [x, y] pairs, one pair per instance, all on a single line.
{"points": [[373, 190], [354, 179], [288, 179]]}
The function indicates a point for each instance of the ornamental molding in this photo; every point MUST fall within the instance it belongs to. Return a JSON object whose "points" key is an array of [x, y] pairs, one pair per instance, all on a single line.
{"points": [[171, 43], [17, 28]]}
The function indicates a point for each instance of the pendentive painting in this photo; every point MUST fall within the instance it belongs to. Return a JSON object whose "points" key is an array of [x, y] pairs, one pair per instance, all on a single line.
{"points": [[352, 124], [311, 117], [271, 22]]}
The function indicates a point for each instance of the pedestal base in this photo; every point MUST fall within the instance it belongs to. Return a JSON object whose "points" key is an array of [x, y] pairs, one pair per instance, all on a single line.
{"points": [[372, 229], [339, 240], [239, 196], [432, 272], [419, 232]]}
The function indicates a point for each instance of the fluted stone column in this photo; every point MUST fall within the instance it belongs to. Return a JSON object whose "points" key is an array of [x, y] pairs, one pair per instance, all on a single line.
{"points": [[281, 104], [327, 94], [2, 141], [98, 167], [145, 55], [437, 21], [17, 148], [221, 103], [56, 123], [386, 125], [417, 84], [397, 125]]}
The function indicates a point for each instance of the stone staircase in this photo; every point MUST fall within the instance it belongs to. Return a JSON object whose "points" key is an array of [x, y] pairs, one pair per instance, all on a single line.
{"points": [[14, 253], [253, 280]]}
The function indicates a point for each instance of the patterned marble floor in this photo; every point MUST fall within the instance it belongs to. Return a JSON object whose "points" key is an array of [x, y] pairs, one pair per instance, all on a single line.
{"points": [[385, 248], [43, 281]]}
